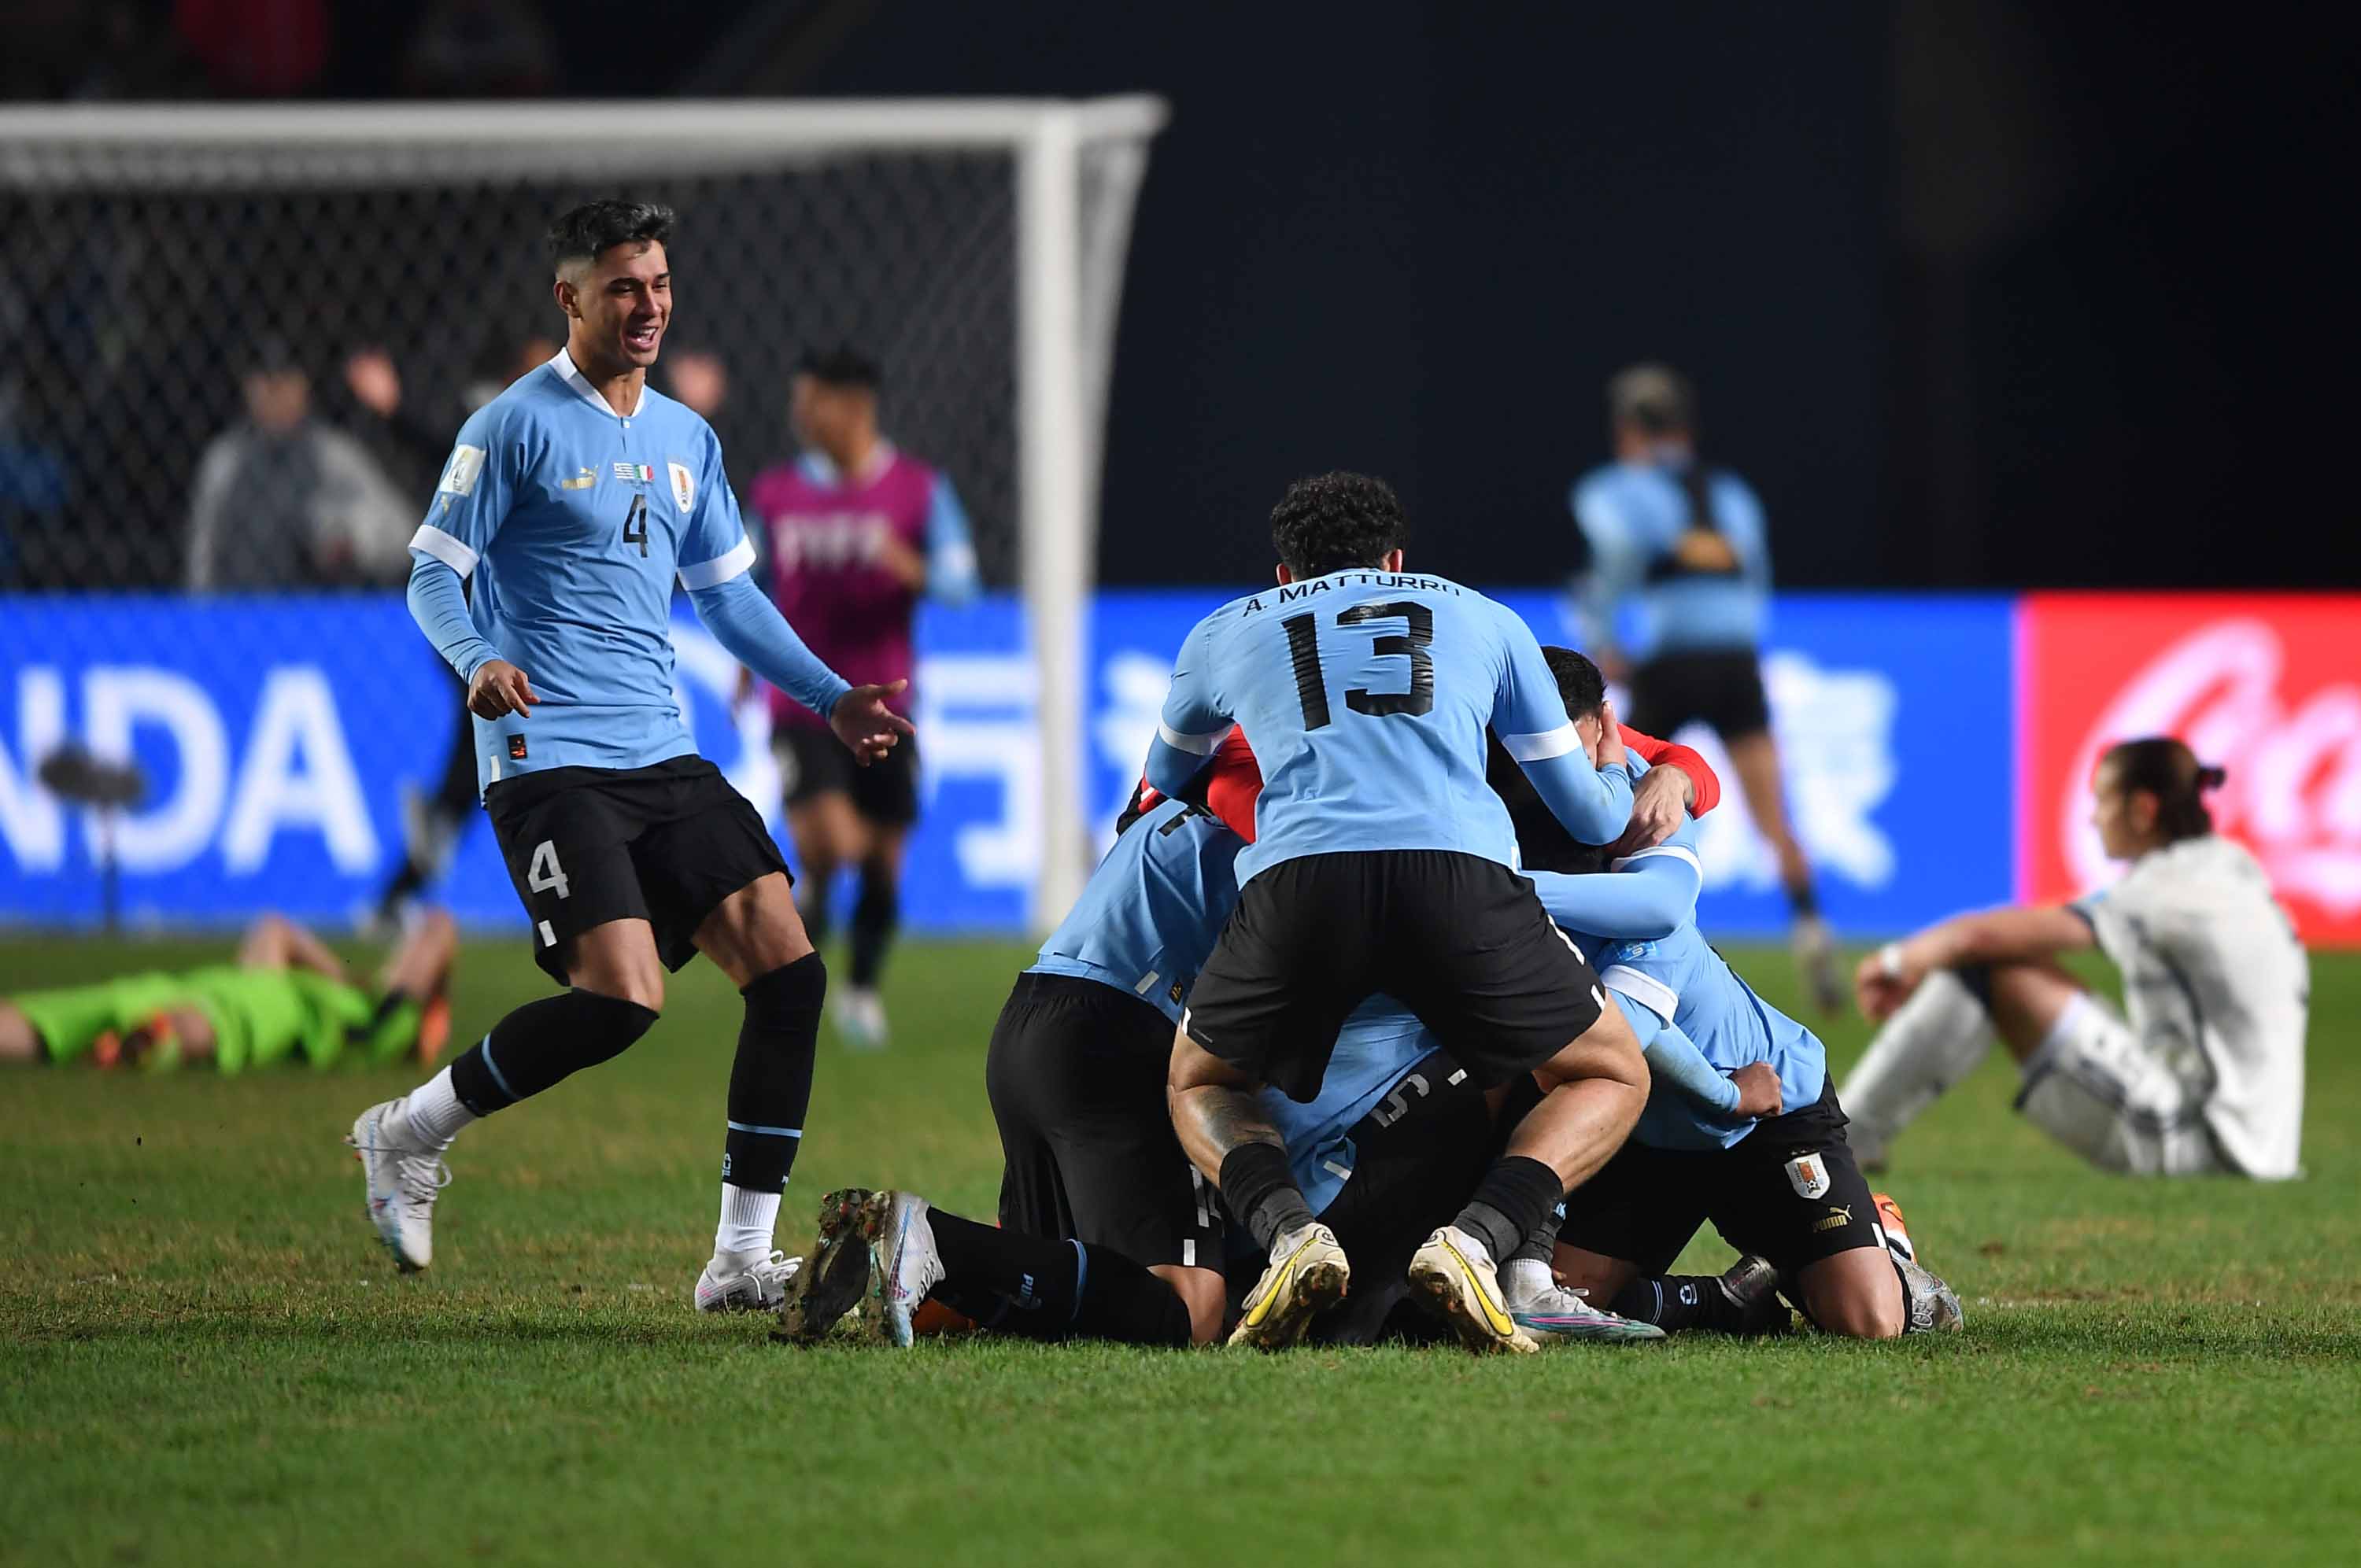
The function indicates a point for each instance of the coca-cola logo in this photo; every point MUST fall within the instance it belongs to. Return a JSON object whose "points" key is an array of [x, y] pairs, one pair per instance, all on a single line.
{"points": [[2294, 790]]}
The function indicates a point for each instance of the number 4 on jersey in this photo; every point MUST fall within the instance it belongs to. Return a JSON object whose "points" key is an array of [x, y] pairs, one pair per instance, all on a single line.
{"points": [[635, 530], [1312, 690]]}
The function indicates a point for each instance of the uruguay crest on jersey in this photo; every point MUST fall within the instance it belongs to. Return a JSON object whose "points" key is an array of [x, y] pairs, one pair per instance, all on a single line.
{"points": [[683, 486]]}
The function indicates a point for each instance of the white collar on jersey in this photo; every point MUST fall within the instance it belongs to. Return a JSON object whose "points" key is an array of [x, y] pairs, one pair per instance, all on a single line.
{"points": [[822, 471], [563, 363]]}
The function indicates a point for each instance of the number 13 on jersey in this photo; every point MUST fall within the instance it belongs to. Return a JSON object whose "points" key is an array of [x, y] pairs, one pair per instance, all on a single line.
{"points": [[1312, 688]]}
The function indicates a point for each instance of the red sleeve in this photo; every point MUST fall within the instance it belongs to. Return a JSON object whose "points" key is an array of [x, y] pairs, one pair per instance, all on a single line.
{"points": [[1664, 754], [1235, 785], [1231, 788]]}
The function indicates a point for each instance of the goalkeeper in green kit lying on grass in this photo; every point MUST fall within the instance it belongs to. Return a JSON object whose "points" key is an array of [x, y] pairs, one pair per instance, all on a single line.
{"points": [[285, 995]]}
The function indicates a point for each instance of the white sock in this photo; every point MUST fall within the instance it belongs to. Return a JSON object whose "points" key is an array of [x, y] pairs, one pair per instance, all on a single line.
{"points": [[1937, 1039], [743, 1237], [434, 1113], [1525, 1279]]}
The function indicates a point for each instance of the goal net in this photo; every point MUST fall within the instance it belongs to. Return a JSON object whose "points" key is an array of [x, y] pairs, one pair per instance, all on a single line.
{"points": [[155, 255]]}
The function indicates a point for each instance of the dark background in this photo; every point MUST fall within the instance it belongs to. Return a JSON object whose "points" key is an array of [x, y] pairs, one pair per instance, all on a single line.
{"points": [[1977, 292]]}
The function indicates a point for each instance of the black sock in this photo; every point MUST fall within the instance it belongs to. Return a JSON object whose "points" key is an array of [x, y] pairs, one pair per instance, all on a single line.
{"points": [[1025, 1285], [1804, 899], [770, 1083], [1516, 1195], [1978, 979], [811, 903], [875, 916], [541, 1043], [1677, 1301], [1262, 1191], [1540, 1244]]}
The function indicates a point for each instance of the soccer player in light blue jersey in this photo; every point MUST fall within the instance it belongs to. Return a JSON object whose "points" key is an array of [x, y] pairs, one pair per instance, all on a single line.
{"points": [[1677, 599], [543, 574], [1785, 1190], [1382, 862], [1106, 1231]]}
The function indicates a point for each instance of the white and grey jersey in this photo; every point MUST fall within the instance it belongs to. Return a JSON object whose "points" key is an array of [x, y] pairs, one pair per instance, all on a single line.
{"points": [[2216, 985]]}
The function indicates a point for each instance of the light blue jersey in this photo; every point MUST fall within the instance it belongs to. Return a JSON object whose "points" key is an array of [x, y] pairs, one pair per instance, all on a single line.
{"points": [[1149, 915], [572, 523], [1366, 696], [1379, 1043], [1644, 941], [1637, 596]]}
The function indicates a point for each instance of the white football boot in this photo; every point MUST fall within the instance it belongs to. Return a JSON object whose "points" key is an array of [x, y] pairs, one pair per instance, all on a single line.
{"points": [[760, 1287], [901, 1244], [860, 1018], [1307, 1274], [403, 1174], [1552, 1314], [1453, 1273]]}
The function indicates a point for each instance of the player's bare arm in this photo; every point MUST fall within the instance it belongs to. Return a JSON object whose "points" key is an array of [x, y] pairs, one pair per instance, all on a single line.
{"points": [[1884, 979]]}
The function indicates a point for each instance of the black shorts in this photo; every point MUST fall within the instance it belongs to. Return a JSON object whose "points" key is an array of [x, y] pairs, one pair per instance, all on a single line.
{"points": [[1789, 1189], [1721, 688], [814, 762], [1076, 1076], [1460, 941], [665, 844]]}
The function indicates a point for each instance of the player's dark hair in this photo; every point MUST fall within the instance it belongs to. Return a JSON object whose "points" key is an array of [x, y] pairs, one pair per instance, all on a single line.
{"points": [[592, 229], [2169, 770], [844, 366], [1658, 399], [1542, 842], [1332, 523]]}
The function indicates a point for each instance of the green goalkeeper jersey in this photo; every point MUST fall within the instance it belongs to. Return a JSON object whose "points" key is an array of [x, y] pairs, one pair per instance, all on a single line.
{"points": [[259, 1017]]}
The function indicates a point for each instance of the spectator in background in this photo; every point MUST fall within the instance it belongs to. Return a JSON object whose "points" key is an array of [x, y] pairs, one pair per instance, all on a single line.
{"points": [[1680, 559], [479, 48], [282, 501], [698, 379], [858, 530]]}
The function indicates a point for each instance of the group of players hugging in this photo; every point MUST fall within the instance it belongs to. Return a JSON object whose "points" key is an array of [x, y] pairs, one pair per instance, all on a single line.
{"points": [[1387, 1015]]}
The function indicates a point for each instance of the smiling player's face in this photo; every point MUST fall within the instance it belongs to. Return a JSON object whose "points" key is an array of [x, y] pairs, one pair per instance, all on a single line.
{"points": [[620, 304]]}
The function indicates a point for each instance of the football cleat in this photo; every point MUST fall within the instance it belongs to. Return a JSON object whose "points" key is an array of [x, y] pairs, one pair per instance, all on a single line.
{"points": [[403, 1175], [1453, 1273], [761, 1286], [1307, 1275], [901, 1244], [1752, 1286], [1814, 947], [1559, 1316], [860, 1018], [1931, 1306], [836, 1277]]}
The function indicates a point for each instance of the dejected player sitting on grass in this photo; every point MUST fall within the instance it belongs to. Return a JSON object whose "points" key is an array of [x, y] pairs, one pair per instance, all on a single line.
{"points": [[285, 997], [2205, 1074]]}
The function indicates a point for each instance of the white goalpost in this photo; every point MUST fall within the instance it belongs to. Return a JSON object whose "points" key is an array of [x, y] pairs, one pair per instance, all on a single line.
{"points": [[976, 247]]}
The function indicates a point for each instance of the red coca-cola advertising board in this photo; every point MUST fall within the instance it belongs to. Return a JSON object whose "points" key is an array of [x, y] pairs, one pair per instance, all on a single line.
{"points": [[2270, 687]]}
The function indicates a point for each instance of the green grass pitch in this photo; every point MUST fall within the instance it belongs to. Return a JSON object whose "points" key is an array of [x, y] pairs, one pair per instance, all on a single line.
{"points": [[205, 1356]]}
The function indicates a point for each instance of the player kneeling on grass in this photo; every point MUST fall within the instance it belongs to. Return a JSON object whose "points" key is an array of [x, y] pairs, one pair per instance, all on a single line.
{"points": [[1105, 1230], [2205, 1075], [285, 996], [1783, 1190]]}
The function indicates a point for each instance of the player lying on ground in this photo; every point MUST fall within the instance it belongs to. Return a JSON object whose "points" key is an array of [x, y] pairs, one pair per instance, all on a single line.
{"points": [[1106, 1231], [2206, 1074], [1784, 1189], [286, 996], [1382, 862], [574, 500]]}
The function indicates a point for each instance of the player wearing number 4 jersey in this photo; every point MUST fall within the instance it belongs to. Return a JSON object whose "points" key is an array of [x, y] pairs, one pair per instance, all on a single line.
{"points": [[1382, 862], [570, 506]]}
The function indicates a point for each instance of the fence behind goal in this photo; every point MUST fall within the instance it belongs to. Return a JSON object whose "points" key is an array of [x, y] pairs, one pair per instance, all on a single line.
{"points": [[152, 258]]}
